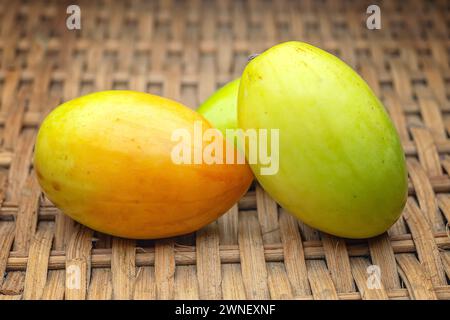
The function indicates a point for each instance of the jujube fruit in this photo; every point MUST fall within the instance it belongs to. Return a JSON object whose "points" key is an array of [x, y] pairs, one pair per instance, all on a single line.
{"points": [[341, 165], [105, 160], [220, 109]]}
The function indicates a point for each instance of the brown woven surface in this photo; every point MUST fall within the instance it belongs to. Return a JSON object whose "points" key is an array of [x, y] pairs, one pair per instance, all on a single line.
{"points": [[184, 50]]}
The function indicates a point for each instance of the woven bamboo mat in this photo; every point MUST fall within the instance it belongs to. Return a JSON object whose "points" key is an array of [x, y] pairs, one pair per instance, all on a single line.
{"points": [[185, 50]]}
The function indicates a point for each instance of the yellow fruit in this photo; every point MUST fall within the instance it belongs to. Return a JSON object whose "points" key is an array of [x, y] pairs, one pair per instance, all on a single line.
{"points": [[105, 160]]}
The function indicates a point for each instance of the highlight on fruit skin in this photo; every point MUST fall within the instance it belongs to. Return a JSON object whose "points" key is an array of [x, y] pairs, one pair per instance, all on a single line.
{"points": [[341, 164], [105, 160]]}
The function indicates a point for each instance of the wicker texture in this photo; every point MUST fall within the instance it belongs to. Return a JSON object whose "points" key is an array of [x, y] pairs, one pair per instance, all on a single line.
{"points": [[185, 50]]}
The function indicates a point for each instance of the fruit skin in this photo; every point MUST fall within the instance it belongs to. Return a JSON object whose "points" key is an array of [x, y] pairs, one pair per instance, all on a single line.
{"points": [[105, 160], [342, 168], [220, 109]]}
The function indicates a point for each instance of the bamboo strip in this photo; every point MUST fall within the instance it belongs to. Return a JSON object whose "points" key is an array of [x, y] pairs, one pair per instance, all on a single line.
{"points": [[294, 255], [425, 195], [322, 286], [251, 251], [338, 263], [145, 288], [186, 283], [382, 255], [13, 284], [208, 262], [278, 281], [164, 269], [413, 274], [426, 247], [100, 287], [359, 271], [36, 275], [123, 268], [6, 240], [267, 210], [27, 215], [232, 282], [55, 286], [78, 264], [18, 179]]}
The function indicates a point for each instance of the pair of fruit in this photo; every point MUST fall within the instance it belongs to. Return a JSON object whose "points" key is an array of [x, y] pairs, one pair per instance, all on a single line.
{"points": [[105, 158]]}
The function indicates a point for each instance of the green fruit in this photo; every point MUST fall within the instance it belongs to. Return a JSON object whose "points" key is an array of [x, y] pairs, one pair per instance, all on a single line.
{"points": [[220, 109], [341, 165]]}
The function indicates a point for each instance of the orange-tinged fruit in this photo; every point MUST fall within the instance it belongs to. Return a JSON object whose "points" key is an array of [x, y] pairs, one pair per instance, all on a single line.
{"points": [[105, 160]]}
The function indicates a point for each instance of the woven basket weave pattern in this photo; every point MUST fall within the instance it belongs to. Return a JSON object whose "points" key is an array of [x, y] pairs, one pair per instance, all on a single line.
{"points": [[185, 50]]}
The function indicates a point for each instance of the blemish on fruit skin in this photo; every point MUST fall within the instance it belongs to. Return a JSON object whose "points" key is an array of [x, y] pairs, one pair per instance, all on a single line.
{"points": [[56, 186], [39, 174], [299, 49]]}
